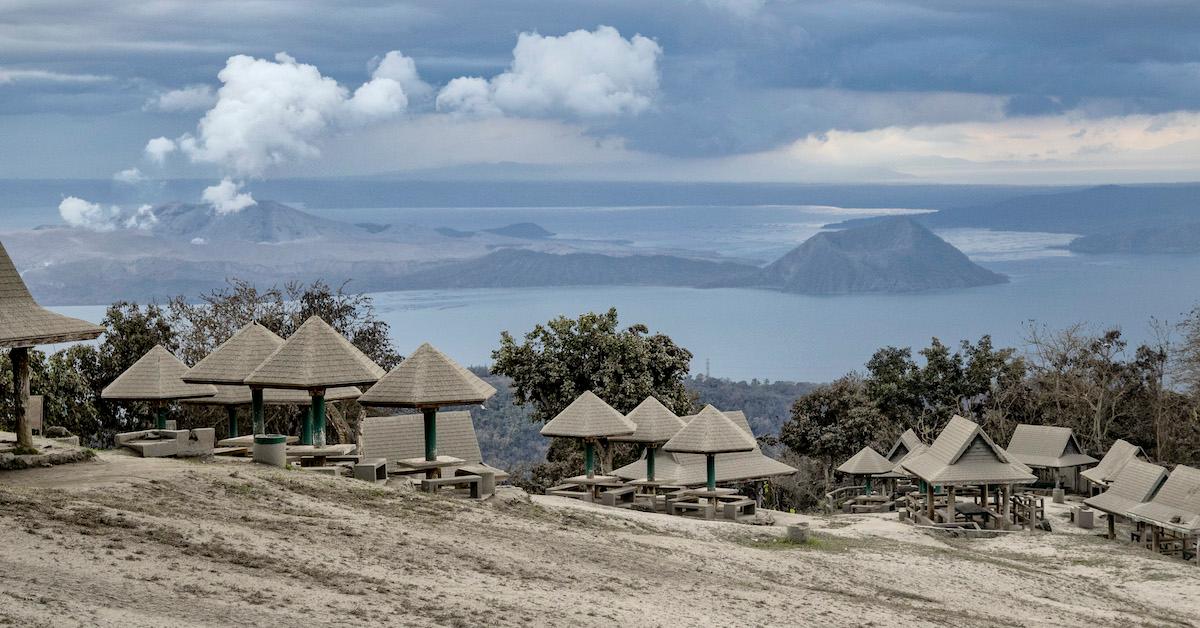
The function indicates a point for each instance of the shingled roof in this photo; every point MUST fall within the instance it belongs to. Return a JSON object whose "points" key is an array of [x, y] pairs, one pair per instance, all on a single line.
{"points": [[402, 437], [237, 357], [904, 445], [1047, 446], [427, 378], [898, 470], [655, 423], [964, 454], [1113, 461], [24, 323], [156, 376], [316, 356], [240, 396], [588, 417], [710, 432], [1136, 483], [866, 462], [691, 469], [1176, 506]]}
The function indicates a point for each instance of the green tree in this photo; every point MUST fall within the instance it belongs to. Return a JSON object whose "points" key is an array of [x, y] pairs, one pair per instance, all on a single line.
{"points": [[832, 423]]}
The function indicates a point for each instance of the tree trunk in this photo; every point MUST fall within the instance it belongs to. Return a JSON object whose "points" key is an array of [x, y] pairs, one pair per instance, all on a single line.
{"points": [[20, 367]]}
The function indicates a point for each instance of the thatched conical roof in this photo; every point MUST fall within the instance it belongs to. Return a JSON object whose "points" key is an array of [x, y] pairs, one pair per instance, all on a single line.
{"points": [[427, 378], [236, 358], [316, 356], [240, 396], [24, 323], [588, 417], [156, 376], [710, 432], [866, 462], [655, 423]]}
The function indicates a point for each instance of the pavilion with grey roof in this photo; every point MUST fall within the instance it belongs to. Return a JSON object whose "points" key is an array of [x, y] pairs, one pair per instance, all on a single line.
{"points": [[1137, 482], [656, 424], [400, 437], [157, 377], [1173, 514], [1115, 459], [1051, 451], [25, 324]]}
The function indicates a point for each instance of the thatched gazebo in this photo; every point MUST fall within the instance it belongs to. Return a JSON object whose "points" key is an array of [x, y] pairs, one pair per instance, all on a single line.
{"points": [[25, 324], [1137, 482], [656, 424], [157, 378], [231, 363], [964, 455], [589, 419], [428, 380], [1051, 450], [865, 465], [315, 358], [710, 433]]}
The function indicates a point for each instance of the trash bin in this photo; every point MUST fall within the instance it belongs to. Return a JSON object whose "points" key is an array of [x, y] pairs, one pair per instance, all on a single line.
{"points": [[270, 449], [1059, 496]]}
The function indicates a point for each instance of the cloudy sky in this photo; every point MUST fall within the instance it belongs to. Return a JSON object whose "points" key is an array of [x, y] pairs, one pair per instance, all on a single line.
{"points": [[738, 90]]}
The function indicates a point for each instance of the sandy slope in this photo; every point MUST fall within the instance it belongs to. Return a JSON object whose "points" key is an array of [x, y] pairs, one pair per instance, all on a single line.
{"points": [[188, 543]]}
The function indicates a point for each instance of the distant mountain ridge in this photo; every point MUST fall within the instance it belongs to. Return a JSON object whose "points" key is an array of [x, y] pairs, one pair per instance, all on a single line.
{"points": [[892, 255], [265, 221]]}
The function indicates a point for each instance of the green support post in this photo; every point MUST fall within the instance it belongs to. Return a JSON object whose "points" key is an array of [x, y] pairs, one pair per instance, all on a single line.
{"points": [[231, 412], [650, 462], [430, 416], [258, 417], [161, 420], [318, 410], [589, 457], [712, 472], [306, 427]]}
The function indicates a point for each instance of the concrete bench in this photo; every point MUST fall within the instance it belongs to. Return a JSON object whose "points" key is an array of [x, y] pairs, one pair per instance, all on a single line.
{"points": [[676, 508], [619, 497], [162, 443], [741, 507], [487, 480], [431, 485], [570, 490], [371, 470]]}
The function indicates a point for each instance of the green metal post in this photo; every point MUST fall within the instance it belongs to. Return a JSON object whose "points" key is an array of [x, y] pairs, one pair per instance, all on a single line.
{"points": [[231, 411], [650, 449], [712, 472], [256, 411], [870, 486], [318, 410], [306, 427], [589, 457], [161, 421], [430, 416]]}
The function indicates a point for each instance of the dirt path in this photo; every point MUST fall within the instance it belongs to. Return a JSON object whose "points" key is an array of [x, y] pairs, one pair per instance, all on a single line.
{"points": [[223, 543]]}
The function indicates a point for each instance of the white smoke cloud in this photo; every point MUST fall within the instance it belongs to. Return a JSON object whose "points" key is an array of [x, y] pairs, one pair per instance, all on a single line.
{"points": [[403, 70], [190, 98], [77, 212], [226, 197], [272, 112], [584, 73], [131, 176], [158, 148]]}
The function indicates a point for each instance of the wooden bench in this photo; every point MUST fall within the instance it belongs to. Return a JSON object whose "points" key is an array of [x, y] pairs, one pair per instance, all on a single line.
{"points": [[619, 497], [431, 485], [741, 507]]}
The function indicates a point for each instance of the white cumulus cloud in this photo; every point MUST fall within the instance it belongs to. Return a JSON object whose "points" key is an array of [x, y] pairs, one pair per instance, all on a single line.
{"points": [[77, 212], [270, 112], [403, 70], [583, 73], [158, 148], [226, 197], [190, 98], [132, 176], [141, 218]]}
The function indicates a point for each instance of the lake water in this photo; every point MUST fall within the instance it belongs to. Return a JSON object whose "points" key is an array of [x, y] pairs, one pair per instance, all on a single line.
{"points": [[745, 334]]}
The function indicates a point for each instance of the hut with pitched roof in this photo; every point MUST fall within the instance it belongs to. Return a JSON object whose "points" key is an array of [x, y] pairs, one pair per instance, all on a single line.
{"points": [[710, 433], [1053, 453], [315, 358], [1173, 515], [1137, 482], [157, 378], [1115, 459], [428, 380], [401, 437], [25, 324], [227, 368], [963, 455]]}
